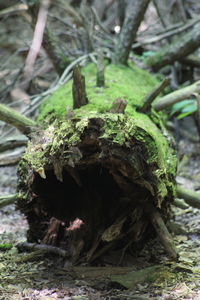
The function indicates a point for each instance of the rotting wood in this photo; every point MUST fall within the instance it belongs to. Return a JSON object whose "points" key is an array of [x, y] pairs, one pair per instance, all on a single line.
{"points": [[118, 106], [78, 89], [92, 173], [161, 230]]}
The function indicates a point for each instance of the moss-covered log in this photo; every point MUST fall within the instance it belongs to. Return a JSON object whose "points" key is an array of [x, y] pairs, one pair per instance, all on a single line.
{"points": [[87, 180]]}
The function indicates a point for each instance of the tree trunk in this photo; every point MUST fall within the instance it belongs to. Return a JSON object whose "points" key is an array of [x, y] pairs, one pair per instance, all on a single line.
{"points": [[100, 178], [134, 15]]}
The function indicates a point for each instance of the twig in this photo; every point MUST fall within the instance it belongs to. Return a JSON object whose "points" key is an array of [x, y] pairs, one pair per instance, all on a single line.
{"points": [[161, 229], [177, 96], [167, 34], [152, 95], [180, 203], [13, 10], [12, 143], [43, 247], [192, 198], [10, 116], [10, 159], [7, 200], [36, 42]]}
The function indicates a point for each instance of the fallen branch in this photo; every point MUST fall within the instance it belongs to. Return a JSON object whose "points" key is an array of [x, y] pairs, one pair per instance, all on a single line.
{"points": [[152, 95], [10, 159], [161, 229], [7, 200], [191, 60], [191, 197], [183, 46], [12, 143], [45, 248], [13, 10], [177, 96], [169, 32], [180, 203], [12, 117]]}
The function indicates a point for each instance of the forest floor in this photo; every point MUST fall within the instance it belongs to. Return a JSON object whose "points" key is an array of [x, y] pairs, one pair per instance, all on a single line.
{"points": [[25, 276]]}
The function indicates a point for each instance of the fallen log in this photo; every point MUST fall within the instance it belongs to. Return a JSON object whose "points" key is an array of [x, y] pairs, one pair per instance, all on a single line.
{"points": [[88, 179]]}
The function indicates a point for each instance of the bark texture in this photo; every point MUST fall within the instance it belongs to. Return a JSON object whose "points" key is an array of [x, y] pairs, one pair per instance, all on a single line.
{"points": [[134, 15]]}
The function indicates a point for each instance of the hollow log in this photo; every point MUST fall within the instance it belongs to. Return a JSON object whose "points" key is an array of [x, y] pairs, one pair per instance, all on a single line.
{"points": [[86, 181]]}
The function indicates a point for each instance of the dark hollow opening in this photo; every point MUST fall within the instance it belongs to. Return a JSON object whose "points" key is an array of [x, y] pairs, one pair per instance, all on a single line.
{"points": [[90, 194]]}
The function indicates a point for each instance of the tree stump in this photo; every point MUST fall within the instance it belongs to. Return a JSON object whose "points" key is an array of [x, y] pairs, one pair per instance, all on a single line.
{"points": [[99, 179]]}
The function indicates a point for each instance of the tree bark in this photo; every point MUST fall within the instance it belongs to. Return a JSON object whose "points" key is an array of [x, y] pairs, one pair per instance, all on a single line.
{"points": [[134, 15]]}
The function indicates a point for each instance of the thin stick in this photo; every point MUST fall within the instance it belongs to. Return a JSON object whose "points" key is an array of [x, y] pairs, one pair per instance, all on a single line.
{"points": [[191, 197], [12, 117], [177, 96], [162, 231], [7, 200], [37, 41], [152, 95], [78, 89]]}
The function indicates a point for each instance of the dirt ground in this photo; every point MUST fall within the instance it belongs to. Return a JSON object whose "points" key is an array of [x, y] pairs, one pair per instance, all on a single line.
{"points": [[25, 276]]}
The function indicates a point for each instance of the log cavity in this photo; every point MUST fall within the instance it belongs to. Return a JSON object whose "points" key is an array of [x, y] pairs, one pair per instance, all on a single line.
{"points": [[88, 210], [87, 194]]}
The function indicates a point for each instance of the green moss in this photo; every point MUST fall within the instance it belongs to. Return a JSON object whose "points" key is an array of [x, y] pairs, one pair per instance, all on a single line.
{"points": [[129, 83]]}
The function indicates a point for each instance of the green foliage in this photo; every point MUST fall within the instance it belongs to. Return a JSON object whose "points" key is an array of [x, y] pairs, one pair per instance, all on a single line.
{"points": [[184, 108]]}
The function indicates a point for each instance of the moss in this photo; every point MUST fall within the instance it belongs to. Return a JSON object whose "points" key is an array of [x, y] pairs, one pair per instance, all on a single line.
{"points": [[130, 83]]}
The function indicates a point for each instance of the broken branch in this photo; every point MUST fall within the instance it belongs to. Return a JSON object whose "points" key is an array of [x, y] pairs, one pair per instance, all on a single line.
{"points": [[12, 117]]}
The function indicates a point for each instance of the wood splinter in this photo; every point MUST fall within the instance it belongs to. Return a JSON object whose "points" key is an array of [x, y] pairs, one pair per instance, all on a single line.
{"points": [[118, 106], [161, 229], [78, 88], [100, 70]]}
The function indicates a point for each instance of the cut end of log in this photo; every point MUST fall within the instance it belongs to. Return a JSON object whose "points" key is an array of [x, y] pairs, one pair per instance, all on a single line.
{"points": [[98, 178]]}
